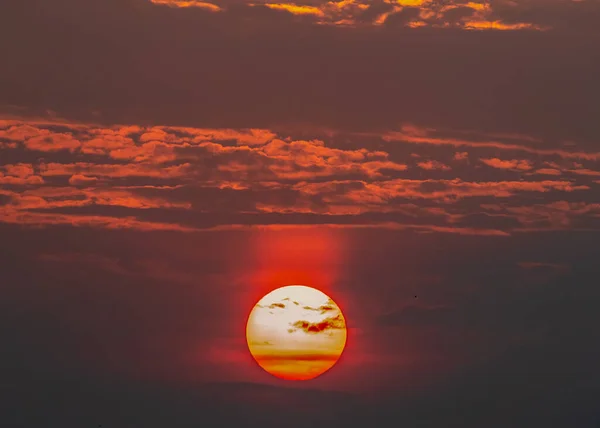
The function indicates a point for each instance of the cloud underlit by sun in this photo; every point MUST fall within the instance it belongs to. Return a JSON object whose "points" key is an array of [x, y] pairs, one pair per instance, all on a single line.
{"points": [[296, 332]]}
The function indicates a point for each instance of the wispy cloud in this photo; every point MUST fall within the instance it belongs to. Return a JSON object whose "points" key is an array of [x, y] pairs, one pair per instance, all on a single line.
{"points": [[513, 164], [413, 135], [331, 323], [189, 3]]}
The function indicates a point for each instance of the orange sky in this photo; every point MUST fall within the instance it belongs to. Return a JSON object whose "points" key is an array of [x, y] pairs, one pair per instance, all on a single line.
{"points": [[433, 167]]}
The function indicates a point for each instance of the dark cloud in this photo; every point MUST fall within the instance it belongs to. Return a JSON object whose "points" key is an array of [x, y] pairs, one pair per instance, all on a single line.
{"points": [[439, 77], [542, 265], [329, 323], [330, 306]]}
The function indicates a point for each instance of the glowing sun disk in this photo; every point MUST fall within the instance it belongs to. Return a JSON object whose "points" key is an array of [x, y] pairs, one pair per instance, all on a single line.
{"points": [[296, 332]]}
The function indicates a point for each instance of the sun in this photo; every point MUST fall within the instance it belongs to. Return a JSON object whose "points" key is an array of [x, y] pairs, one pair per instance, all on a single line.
{"points": [[296, 332]]}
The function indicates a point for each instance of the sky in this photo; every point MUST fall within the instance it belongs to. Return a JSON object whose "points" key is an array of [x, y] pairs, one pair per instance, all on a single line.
{"points": [[432, 166]]}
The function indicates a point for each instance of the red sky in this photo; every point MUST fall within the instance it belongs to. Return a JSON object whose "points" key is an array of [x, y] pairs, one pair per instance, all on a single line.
{"points": [[433, 166]]}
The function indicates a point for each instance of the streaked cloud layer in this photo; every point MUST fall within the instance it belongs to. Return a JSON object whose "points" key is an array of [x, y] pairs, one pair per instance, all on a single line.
{"points": [[197, 179], [468, 15], [249, 66]]}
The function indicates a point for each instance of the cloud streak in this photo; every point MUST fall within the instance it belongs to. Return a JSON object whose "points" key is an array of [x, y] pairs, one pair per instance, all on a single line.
{"points": [[330, 323], [189, 3]]}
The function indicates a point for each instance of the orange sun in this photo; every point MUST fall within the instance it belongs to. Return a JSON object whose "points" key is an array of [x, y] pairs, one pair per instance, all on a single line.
{"points": [[296, 332]]}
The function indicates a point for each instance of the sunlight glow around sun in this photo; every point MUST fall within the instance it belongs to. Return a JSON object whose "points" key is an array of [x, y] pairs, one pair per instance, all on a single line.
{"points": [[296, 332]]}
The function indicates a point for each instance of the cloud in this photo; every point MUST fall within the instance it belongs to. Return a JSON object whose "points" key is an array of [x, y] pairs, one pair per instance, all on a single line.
{"points": [[21, 181], [37, 138], [413, 135], [381, 192], [266, 358], [513, 164], [82, 180], [411, 13], [331, 323], [112, 170], [52, 142], [585, 171], [461, 156], [188, 3], [19, 170], [18, 132], [559, 215], [46, 198], [91, 221], [329, 306], [206, 90], [544, 265], [433, 165], [248, 137], [296, 9], [419, 228], [20, 174], [276, 305], [548, 171]]}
